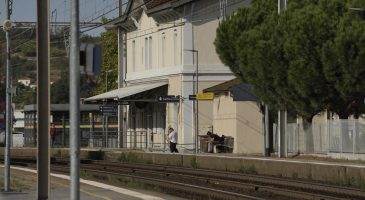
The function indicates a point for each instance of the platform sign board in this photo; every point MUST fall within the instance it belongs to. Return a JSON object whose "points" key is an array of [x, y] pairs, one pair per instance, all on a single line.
{"points": [[192, 97], [168, 99], [205, 96], [109, 110]]}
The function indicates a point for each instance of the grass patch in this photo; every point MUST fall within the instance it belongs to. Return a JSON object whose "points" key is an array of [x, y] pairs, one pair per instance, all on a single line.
{"points": [[58, 153], [343, 181], [309, 177], [132, 157], [194, 162], [16, 185], [248, 169], [362, 185]]}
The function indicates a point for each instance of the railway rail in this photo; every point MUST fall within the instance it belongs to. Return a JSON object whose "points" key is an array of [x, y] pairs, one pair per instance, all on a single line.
{"points": [[204, 184]]}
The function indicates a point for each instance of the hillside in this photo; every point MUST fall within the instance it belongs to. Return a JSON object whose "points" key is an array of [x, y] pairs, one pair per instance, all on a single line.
{"points": [[23, 64]]}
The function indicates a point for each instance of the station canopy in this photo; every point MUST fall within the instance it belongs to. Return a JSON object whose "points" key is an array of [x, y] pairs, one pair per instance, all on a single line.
{"points": [[129, 91]]}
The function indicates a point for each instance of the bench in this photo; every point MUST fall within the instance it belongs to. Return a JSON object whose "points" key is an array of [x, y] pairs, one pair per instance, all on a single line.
{"points": [[225, 147]]}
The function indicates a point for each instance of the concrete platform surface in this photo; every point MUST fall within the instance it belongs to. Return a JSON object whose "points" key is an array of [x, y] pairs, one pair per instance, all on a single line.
{"points": [[24, 185]]}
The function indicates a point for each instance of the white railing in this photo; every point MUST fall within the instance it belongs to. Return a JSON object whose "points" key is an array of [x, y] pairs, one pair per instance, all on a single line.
{"points": [[345, 137]]}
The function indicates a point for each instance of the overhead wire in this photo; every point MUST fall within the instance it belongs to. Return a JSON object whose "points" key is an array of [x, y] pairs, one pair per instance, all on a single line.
{"points": [[133, 11]]}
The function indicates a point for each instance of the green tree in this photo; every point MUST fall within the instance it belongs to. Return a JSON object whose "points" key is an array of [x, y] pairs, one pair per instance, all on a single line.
{"points": [[284, 56], [60, 89], [110, 62], [344, 66], [25, 95]]}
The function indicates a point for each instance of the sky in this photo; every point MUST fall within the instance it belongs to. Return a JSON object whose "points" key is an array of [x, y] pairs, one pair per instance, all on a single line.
{"points": [[60, 10]]}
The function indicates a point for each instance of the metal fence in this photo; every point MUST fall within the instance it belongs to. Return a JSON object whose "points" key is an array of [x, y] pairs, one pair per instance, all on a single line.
{"points": [[106, 139], [334, 137]]}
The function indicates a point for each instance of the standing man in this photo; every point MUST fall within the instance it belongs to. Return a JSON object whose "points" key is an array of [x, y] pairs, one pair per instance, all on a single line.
{"points": [[173, 140], [53, 134]]}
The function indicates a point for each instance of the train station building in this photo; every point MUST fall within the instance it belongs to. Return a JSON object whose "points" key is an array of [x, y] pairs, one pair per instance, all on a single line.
{"points": [[166, 48]]}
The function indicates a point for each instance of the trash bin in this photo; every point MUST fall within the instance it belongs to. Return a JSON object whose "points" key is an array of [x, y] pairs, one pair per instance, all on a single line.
{"points": [[205, 144]]}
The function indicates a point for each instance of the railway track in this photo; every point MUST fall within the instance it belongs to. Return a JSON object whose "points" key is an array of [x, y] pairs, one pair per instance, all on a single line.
{"points": [[210, 184]]}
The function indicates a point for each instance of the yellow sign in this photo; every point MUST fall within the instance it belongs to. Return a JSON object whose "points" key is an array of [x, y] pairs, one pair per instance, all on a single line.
{"points": [[205, 96]]}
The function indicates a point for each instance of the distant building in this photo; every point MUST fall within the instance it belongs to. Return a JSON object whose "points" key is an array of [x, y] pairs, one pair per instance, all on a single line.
{"points": [[19, 120], [25, 82]]}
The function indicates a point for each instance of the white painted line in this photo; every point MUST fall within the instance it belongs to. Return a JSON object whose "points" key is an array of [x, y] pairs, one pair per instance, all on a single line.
{"points": [[99, 185]]}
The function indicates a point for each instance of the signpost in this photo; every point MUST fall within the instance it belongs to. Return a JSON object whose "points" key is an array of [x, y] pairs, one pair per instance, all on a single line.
{"points": [[168, 99], [109, 110]]}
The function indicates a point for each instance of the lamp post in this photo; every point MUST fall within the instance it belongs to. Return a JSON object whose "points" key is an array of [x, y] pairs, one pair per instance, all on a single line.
{"points": [[7, 26], [106, 117], [106, 79], [196, 100]]}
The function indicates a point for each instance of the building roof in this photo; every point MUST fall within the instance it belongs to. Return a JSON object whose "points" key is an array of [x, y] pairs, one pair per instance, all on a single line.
{"points": [[223, 87], [125, 91], [154, 3], [239, 91]]}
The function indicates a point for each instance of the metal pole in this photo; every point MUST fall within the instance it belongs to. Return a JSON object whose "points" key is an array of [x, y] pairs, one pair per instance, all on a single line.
{"points": [[281, 113], [63, 130], [197, 102], [43, 98], [8, 110], [121, 71], [91, 139], [281, 5], [106, 131], [75, 102], [267, 138], [106, 81]]}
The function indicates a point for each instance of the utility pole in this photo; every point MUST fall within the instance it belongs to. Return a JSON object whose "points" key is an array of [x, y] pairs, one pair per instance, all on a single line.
{"points": [[122, 124], [9, 120], [266, 129], [196, 91], [197, 101], [282, 115], [43, 98], [75, 102]]}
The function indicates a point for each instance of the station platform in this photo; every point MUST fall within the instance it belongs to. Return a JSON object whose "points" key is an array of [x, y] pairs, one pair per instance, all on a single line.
{"points": [[314, 168], [25, 183]]}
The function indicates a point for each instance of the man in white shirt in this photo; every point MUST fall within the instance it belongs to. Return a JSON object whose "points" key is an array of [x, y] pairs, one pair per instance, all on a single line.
{"points": [[173, 140]]}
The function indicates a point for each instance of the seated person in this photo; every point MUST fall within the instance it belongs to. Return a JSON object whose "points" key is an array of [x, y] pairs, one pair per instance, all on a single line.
{"points": [[216, 138]]}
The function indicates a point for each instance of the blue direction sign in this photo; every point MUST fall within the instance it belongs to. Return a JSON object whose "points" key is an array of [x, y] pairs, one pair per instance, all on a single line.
{"points": [[109, 110], [168, 98], [192, 97]]}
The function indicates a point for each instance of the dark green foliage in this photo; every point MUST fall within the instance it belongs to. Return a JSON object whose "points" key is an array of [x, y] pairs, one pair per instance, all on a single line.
{"points": [[110, 63], [2, 92], [307, 59], [25, 96], [248, 169], [60, 89]]}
